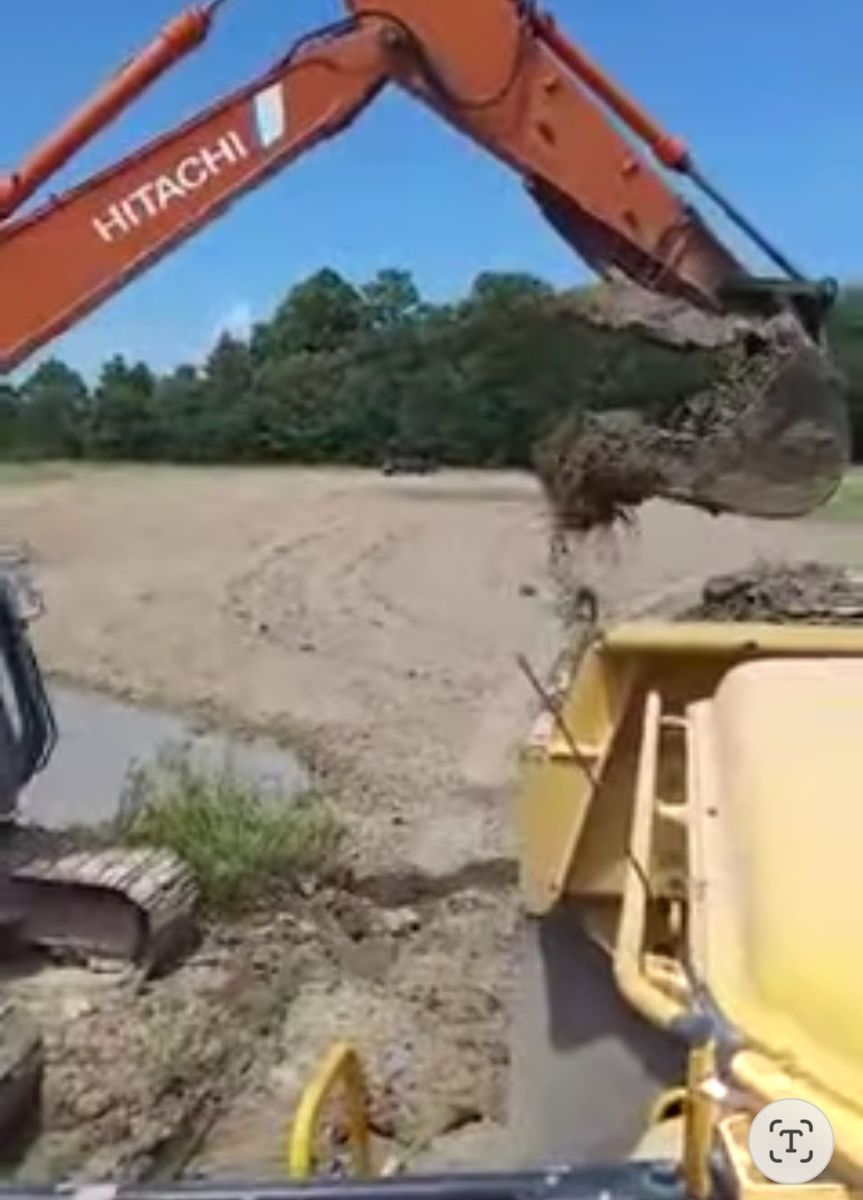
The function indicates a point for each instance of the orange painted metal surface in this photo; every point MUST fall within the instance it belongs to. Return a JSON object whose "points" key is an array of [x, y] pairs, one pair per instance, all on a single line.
{"points": [[483, 68], [58, 264], [501, 75], [179, 37], [671, 151]]}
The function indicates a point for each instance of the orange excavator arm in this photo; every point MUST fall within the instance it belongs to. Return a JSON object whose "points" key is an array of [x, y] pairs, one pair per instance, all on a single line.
{"points": [[497, 70], [59, 263]]}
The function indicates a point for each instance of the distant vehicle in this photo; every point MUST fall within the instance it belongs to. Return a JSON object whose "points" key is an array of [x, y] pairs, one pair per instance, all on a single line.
{"points": [[409, 464]]}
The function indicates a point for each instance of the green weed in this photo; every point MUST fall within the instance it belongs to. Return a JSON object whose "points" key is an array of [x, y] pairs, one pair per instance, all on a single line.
{"points": [[241, 839], [847, 504]]}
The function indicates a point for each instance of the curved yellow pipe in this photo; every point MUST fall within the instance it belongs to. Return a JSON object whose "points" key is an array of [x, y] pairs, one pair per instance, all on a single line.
{"points": [[340, 1066]]}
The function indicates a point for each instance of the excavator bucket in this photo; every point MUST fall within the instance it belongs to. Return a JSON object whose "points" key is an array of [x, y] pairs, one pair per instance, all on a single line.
{"points": [[768, 437], [770, 440]]}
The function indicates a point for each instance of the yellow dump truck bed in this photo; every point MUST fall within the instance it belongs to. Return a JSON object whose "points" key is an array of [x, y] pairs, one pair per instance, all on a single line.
{"points": [[776, 887], [716, 772]]}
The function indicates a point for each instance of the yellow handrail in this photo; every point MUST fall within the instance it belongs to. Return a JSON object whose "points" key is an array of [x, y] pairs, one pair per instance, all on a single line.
{"points": [[341, 1066], [699, 1114], [628, 960]]}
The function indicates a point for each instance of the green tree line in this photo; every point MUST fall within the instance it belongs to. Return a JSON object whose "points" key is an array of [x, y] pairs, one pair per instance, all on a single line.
{"points": [[353, 374]]}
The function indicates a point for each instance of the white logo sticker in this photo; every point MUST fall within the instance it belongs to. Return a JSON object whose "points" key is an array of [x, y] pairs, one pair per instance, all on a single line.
{"points": [[791, 1141], [155, 195]]}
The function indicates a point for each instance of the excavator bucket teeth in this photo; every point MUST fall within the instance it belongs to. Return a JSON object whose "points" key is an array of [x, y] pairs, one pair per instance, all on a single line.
{"points": [[775, 442]]}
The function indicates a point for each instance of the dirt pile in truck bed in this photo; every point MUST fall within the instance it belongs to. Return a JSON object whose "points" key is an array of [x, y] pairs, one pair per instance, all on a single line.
{"points": [[767, 436], [807, 593]]}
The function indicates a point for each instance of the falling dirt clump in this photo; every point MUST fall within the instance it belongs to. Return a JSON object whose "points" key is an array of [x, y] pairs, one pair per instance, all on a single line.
{"points": [[596, 471], [782, 594]]}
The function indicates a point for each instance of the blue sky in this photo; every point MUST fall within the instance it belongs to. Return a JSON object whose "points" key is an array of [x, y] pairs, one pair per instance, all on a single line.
{"points": [[769, 93]]}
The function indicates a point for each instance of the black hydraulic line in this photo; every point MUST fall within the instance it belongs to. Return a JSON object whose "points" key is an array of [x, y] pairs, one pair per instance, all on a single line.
{"points": [[40, 725], [400, 36], [742, 222], [37, 728]]}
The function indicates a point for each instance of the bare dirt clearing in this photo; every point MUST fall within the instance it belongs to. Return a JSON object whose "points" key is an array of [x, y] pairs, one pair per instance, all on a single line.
{"points": [[375, 621], [372, 623]]}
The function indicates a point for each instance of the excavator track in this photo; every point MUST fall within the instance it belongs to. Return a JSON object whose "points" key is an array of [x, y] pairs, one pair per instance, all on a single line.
{"points": [[133, 905]]}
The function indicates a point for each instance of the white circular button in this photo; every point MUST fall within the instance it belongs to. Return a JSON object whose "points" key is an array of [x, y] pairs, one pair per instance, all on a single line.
{"points": [[791, 1141]]}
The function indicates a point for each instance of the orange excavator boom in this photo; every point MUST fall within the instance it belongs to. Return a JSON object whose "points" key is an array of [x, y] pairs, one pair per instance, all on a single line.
{"points": [[179, 37], [497, 70]]}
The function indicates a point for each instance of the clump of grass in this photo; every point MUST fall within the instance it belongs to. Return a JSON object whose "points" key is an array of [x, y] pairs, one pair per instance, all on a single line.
{"points": [[242, 839], [847, 504]]}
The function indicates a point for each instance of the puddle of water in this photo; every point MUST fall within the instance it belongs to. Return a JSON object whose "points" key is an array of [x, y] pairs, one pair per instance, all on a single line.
{"points": [[100, 739]]}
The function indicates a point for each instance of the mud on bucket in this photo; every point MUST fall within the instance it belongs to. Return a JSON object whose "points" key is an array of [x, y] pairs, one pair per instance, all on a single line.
{"points": [[768, 438], [777, 442]]}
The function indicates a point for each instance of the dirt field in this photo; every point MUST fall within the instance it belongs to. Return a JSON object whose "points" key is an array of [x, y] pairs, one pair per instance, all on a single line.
{"points": [[373, 623]]}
